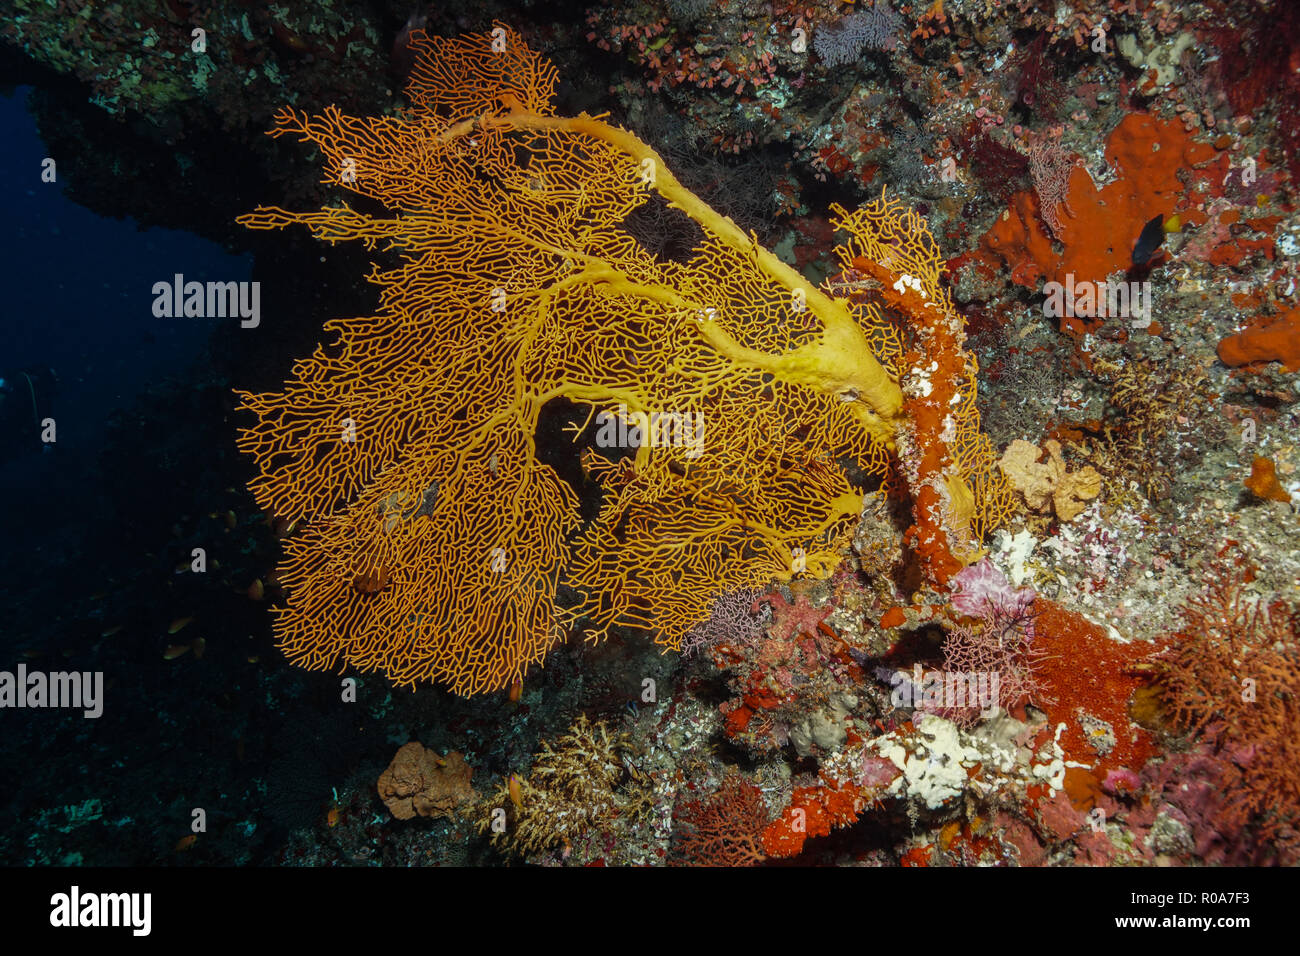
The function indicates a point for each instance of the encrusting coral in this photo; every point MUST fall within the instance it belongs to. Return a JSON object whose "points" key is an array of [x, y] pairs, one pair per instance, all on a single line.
{"points": [[433, 539], [1047, 485]]}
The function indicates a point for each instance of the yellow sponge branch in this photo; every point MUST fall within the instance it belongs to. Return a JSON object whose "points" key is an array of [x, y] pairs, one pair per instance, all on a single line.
{"points": [[841, 364]]}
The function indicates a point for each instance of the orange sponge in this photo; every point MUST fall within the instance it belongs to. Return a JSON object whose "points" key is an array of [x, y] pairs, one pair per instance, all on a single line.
{"points": [[1278, 341], [1263, 481]]}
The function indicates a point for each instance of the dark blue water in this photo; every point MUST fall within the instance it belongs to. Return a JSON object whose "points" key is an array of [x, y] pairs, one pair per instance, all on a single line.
{"points": [[78, 296]]}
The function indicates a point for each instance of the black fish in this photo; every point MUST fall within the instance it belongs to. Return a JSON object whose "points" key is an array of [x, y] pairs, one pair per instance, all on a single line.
{"points": [[1153, 234]]}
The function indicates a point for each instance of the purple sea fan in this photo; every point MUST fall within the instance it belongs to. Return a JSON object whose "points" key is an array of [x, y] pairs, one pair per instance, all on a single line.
{"points": [[1050, 168], [844, 40], [1002, 647], [732, 620]]}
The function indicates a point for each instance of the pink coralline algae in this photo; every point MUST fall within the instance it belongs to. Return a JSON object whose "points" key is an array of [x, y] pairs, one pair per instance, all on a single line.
{"points": [[877, 772], [791, 619], [982, 589]]}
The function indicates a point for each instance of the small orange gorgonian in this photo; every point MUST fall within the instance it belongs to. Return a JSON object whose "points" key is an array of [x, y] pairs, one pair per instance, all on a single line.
{"points": [[434, 542]]}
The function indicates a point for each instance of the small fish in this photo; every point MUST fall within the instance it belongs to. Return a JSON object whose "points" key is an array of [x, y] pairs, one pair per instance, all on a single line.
{"points": [[174, 651], [231, 520], [198, 646], [332, 818], [516, 792], [184, 843], [177, 624], [1153, 234], [255, 590], [516, 689]]}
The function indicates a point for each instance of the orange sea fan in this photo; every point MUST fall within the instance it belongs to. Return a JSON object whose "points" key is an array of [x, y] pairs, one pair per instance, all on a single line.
{"points": [[433, 537]]}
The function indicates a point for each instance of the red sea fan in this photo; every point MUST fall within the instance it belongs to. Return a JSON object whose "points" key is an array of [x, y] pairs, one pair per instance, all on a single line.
{"points": [[1001, 644], [1000, 169], [1050, 167], [724, 828], [1232, 678], [1201, 790], [1037, 87]]}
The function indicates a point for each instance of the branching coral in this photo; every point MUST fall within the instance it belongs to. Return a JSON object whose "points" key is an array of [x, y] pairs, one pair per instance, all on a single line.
{"points": [[999, 168], [999, 641], [1036, 85], [1029, 387], [435, 539], [578, 784], [1151, 409], [734, 619], [843, 41], [1049, 168]]}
